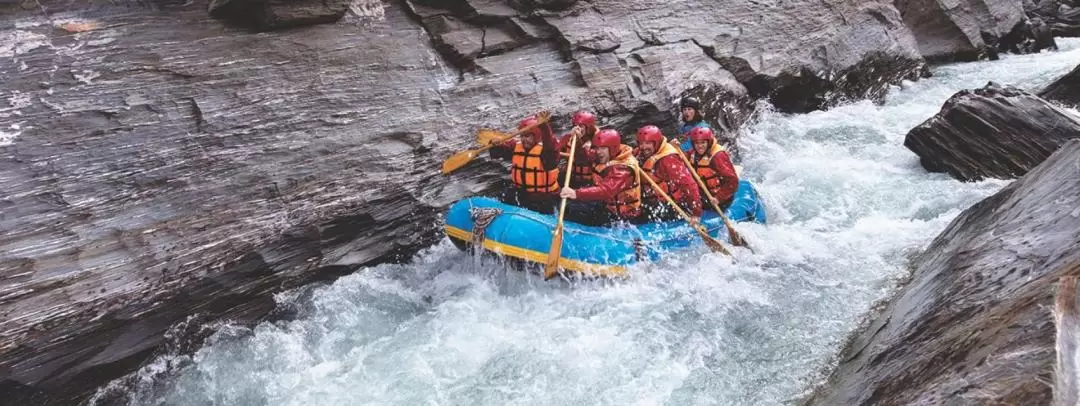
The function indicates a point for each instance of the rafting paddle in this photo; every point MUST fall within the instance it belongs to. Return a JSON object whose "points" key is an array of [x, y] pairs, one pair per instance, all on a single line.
{"points": [[713, 244], [733, 235], [456, 161], [487, 136], [551, 267]]}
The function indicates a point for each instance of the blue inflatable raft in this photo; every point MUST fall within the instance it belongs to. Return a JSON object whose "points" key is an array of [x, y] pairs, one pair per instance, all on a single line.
{"points": [[591, 251]]}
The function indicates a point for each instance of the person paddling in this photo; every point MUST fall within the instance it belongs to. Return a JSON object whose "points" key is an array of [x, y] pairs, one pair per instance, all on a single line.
{"points": [[660, 161], [585, 128], [534, 166], [713, 165], [616, 191]]}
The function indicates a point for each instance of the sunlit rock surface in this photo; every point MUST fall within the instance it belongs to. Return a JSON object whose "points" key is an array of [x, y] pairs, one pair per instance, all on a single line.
{"points": [[966, 30]]}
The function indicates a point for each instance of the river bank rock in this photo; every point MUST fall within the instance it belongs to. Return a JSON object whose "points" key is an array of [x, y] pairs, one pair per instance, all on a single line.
{"points": [[1065, 89], [1062, 16], [968, 30], [974, 325], [158, 163], [992, 132]]}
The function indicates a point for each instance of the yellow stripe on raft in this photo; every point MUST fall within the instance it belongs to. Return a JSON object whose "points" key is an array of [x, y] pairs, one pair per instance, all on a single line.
{"points": [[540, 257]]}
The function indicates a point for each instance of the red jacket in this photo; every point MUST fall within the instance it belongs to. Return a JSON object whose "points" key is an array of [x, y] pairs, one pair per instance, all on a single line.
{"points": [[672, 170], [721, 163], [616, 179]]}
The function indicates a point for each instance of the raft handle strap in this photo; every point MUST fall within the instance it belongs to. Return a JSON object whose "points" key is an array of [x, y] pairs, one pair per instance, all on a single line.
{"points": [[639, 250], [482, 218]]}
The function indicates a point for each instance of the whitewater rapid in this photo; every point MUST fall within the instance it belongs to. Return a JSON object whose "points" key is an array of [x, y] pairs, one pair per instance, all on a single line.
{"points": [[848, 207]]}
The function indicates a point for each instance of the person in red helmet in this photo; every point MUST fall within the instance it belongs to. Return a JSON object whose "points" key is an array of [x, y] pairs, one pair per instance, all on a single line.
{"points": [[534, 167], [660, 161], [616, 191], [585, 128], [713, 165]]}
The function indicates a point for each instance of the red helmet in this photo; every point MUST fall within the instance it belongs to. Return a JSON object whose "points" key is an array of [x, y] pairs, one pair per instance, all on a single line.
{"points": [[608, 138], [584, 118], [650, 133], [701, 134], [530, 121]]}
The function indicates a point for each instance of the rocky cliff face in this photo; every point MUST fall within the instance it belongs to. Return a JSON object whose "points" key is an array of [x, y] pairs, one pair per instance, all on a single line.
{"points": [[996, 132], [158, 163], [974, 325]]}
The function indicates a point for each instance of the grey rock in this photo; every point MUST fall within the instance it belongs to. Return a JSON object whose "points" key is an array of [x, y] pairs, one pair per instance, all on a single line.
{"points": [[973, 326], [1029, 36], [266, 15], [964, 30], [1062, 16], [995, 132], [1065, 89]]}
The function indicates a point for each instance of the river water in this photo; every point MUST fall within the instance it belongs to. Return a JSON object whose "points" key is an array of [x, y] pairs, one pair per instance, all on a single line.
{"points": [[848, 206]]}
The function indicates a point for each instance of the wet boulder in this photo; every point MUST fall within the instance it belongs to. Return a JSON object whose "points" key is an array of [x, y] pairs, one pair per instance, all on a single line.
{"points": [[1030, 35], [1065, 89], [973, 325], [1062, 16], [993, 132]]}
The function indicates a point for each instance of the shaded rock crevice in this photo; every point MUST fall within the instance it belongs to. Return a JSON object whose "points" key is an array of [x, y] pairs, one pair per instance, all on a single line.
{"points": [[269, 15]]}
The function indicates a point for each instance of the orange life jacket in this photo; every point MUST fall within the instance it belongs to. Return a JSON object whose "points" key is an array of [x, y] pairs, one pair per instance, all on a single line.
{"points": [[527, 171], [705, 171], [581, 173], [626, 204], [666, 149]]}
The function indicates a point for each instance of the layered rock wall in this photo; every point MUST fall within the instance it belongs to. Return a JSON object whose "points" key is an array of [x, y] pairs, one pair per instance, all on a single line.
{"points": [[974, 326]]}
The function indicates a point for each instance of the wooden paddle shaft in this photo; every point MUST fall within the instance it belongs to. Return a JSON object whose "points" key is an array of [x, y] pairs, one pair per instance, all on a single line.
{"points": [[709, 240], [700, 182], [734, 235], [551, 267], [662, 194]]}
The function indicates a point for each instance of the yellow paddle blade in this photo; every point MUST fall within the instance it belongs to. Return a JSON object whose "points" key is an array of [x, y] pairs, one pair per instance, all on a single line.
{"points": [[551, 267], [458, 160], [486, 135]]}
